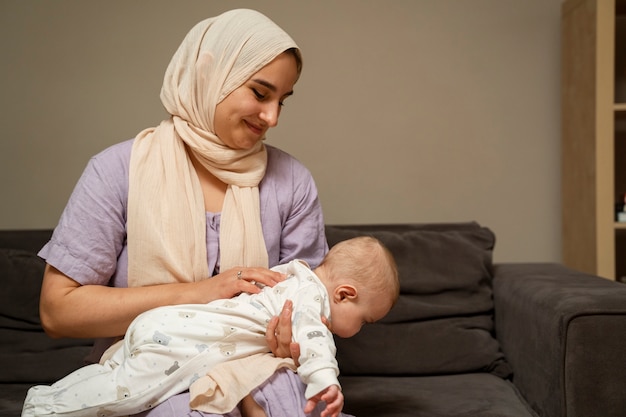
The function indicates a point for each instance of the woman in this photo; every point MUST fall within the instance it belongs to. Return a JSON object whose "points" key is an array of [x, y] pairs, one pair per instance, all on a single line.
{"points": [[198, 196]]}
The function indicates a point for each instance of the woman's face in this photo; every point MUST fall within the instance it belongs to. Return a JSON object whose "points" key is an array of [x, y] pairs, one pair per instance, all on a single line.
{"points": [[243, 117]]}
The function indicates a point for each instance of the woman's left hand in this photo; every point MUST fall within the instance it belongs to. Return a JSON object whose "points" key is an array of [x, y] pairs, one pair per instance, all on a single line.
{"points": [[279, 336]]}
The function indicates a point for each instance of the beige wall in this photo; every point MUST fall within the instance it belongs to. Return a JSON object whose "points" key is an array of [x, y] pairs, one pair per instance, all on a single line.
{"points": [[407, 111]]}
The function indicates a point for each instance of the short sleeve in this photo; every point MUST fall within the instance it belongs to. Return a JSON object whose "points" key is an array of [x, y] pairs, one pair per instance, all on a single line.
{"points": [[91, 233], [291, 212]]}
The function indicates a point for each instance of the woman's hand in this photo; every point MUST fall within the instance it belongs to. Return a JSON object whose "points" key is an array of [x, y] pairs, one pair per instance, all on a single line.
{"points": [[236, 280], [279, 335]]}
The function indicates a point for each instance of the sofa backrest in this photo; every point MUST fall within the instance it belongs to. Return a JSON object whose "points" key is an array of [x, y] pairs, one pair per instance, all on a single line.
{"points": [[27, 354], [441, 324], [28, 240]]}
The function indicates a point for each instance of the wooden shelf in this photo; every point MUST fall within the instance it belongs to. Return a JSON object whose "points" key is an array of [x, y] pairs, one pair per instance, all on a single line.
{"points": [[593, 118]]}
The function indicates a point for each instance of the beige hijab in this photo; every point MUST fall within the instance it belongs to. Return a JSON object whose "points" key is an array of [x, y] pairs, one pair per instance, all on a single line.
{"points": [[166, 216]]}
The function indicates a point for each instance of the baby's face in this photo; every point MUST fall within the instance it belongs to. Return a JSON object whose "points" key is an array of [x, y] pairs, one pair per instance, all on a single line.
{"points": [[348, 317]]}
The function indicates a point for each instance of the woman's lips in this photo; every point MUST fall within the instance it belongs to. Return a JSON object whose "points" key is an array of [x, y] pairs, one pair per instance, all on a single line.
{"points": [[255, 128]]}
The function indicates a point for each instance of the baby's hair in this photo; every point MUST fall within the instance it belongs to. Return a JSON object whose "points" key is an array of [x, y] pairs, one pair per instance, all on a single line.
{"points": [[366, 261]]}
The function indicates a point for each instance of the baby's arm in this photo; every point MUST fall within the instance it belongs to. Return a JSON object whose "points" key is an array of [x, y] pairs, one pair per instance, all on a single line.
{"points": [[333, 398], [318, 365]]}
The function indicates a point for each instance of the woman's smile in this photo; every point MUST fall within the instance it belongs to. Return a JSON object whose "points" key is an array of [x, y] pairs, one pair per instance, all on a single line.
{"points": [[255, 128], [244, 116]]}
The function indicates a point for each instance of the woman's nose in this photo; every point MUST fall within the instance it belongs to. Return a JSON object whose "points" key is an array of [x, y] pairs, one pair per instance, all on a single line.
{"points": [[270, 114]]}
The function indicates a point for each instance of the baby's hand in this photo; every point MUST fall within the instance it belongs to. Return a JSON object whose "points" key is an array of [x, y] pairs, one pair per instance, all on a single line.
{"points": [[332, 396]]}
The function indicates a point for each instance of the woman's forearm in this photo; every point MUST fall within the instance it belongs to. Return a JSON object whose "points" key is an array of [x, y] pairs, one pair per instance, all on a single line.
{"points": [[69, 309]]}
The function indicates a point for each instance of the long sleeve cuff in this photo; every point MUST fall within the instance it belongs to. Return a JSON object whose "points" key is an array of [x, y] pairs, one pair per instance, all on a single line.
{"points": [[320, 380]]}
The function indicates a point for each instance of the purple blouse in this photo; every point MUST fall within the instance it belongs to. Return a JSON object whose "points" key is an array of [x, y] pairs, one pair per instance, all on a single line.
{"points": [[89, 243]]}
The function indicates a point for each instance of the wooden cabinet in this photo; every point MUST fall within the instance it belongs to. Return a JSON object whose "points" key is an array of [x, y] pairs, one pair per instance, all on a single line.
{"points": [[593, 124]]}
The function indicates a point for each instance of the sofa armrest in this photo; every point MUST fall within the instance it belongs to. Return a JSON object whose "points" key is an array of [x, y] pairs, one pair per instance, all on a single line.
{"points": [[564, 334]]}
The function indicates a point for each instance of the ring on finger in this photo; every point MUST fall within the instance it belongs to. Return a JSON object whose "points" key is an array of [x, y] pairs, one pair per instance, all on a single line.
{"points": [[239, 275]]}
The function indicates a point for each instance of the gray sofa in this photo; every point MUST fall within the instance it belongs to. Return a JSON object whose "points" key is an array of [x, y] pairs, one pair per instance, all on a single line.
{"points": [[466, 338]]}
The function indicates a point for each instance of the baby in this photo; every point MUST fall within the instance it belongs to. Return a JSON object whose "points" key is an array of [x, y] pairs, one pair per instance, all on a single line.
{"points": [[166, 349]]}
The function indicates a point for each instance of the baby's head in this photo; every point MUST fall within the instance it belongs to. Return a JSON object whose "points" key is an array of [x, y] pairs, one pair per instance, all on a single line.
{"points": [[362, 281]]}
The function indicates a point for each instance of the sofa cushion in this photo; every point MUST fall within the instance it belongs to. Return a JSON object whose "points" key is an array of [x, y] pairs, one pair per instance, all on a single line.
{"points": [[27, 354], [20, 284], [442, 322], [466, 395]]}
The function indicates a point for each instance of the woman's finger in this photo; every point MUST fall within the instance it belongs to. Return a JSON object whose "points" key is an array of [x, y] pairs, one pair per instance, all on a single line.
{"points": [[270, 336], [294, 349], [259, 276], [278, 335]]}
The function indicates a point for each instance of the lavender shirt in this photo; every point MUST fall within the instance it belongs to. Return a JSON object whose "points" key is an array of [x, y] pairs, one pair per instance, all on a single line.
{"points": [[89, 243], [89, 246]]}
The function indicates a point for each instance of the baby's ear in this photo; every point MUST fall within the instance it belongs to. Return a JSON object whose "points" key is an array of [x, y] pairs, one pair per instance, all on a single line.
{"points": [[345, 292]]}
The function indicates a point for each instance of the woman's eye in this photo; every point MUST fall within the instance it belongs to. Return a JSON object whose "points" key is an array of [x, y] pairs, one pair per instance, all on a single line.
{"points": [[257, 94]]}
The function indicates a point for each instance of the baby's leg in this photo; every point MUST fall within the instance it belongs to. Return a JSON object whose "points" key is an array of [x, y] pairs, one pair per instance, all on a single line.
{"points": [[138, 376], [164, 351], [41, 399]]}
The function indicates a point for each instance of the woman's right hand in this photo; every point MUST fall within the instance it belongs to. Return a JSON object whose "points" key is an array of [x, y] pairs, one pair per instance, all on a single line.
{"points": [[236, 280]]}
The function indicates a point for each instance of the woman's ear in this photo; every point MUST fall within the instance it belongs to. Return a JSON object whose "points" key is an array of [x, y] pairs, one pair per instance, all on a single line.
{"points": [[345, 292]]}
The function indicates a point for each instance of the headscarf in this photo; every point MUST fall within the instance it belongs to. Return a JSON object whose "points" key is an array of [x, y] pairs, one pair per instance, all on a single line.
{"points": [[166, 214]]}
